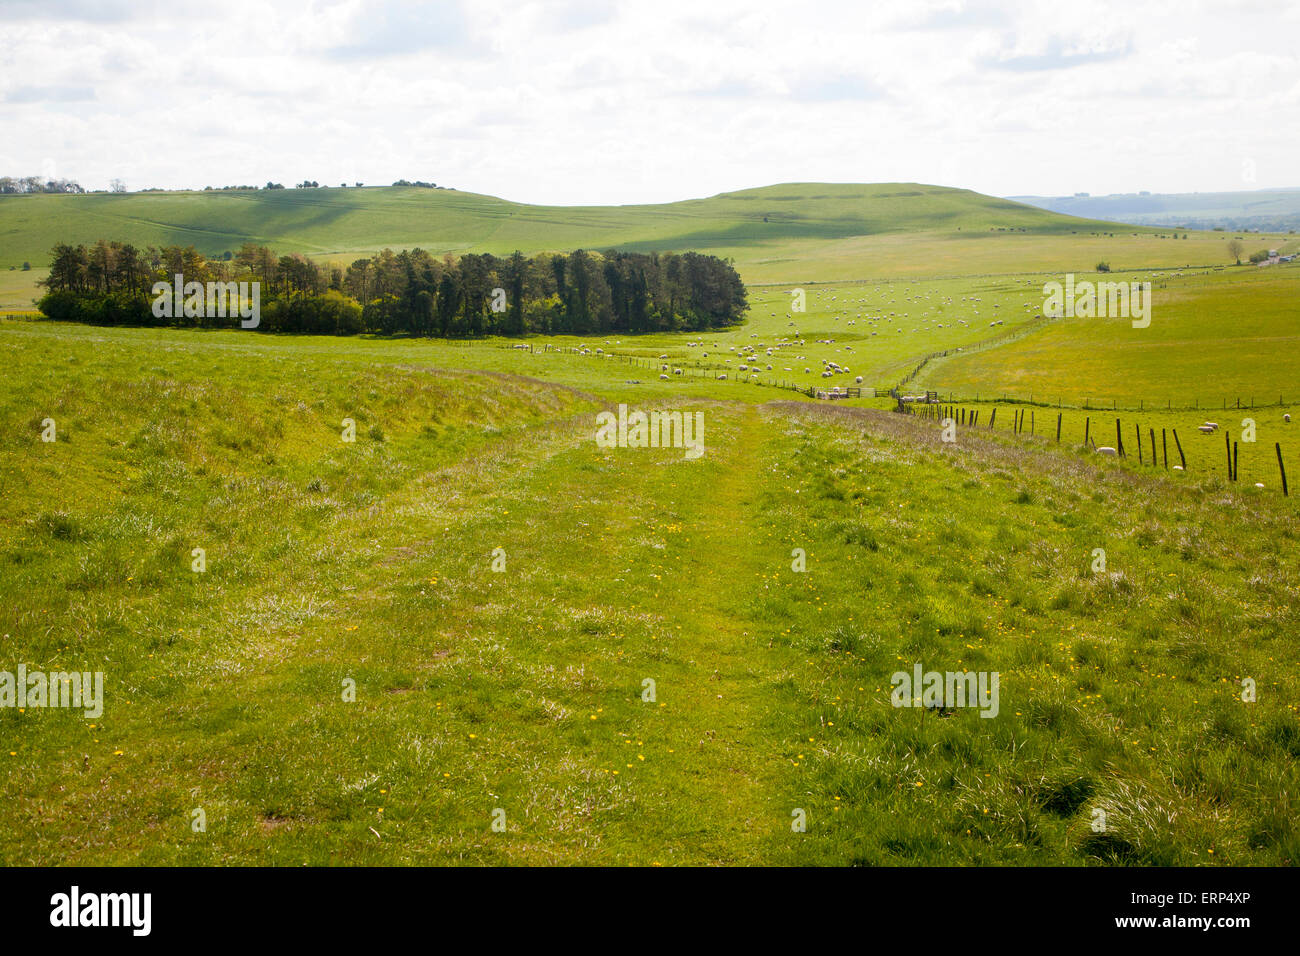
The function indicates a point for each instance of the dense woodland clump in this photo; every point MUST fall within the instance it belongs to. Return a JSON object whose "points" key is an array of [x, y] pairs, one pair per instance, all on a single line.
{"points": [[410, 292]]}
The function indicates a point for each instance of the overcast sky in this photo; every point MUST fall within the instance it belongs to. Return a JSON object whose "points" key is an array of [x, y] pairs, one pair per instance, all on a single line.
{"points": [[579, 101]]}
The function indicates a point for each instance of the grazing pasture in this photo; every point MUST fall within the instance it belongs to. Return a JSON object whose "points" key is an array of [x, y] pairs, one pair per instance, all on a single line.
{"points": [[523, 690], [386, 600], [1214, 337]]}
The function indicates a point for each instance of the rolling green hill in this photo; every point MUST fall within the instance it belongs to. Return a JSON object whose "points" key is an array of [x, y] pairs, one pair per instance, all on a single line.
{"points": [[328, 222], [345, 220], [793, 233]]}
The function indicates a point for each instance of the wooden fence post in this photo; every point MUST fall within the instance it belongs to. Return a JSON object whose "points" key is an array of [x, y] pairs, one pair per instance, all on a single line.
{"points": [[1179, 446], [1281, 467], [1087, 423], [1164, 444], [1058, 428]]}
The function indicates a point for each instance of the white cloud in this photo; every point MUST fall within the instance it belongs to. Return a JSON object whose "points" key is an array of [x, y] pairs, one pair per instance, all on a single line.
{"points": [[584, 102]]}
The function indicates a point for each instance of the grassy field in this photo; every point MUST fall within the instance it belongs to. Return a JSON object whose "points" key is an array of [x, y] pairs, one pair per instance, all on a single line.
{"points": [[440, 220], [475, 635], [523, 690], [1214, 337], [792, 233]]}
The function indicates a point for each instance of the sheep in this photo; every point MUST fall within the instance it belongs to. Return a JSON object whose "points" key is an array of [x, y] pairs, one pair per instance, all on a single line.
{"points": [[1287, 418], [1106, 450], [858, 380], [663, 378], [1204, 429]]}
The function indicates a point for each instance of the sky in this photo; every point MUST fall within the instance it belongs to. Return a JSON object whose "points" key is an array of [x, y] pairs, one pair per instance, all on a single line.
{"points": [[583, 102]]}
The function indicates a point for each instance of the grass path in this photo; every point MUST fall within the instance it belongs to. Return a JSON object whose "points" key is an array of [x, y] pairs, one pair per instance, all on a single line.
{"points": [[726, 681], [712, 799]]}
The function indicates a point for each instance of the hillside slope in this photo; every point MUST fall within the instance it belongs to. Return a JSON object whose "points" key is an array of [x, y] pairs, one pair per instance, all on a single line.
{"points": [[334, 221]]}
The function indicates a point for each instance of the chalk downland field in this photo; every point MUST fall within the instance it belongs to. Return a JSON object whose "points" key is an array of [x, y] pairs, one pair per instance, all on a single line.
{"points": [[790, 234], [524, 690], [323, 221], [1214, 337], [369, 564]]}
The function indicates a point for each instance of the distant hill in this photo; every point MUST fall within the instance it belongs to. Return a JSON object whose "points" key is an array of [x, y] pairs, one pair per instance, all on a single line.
{"points": [[1265, 210], [337, 221]]}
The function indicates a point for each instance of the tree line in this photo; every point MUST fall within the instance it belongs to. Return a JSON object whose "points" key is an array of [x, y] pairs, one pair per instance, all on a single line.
{"points": [[21, 185], [410, 292], [18, 185]]}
